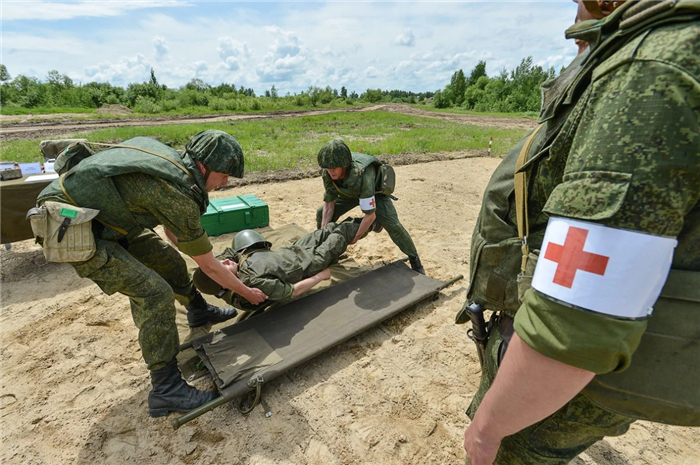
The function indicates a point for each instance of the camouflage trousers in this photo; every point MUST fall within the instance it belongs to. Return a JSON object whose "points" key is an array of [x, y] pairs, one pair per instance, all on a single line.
{"points": [[557, 439], [152, 274], [386, 215]]}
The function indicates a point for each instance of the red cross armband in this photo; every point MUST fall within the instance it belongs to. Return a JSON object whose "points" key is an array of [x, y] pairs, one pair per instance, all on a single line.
{"points": [[368, 204], [611, 271]]}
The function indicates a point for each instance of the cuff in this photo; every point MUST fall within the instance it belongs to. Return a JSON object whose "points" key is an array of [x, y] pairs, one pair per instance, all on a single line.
{"points": [[580, 338], [199, 246]]}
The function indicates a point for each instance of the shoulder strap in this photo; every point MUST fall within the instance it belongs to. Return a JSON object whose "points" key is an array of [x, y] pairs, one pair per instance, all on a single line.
{"points": [[520, 190]]}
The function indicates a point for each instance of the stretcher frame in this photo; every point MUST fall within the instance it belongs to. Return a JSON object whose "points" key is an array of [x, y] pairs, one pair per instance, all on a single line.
{"points": [[304, 328]]}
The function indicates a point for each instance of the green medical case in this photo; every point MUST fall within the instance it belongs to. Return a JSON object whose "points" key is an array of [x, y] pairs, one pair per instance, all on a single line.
{"points": [[235, 214]]}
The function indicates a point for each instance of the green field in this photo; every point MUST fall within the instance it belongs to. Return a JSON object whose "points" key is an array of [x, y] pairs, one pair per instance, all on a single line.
{"points": [[282, 143]]}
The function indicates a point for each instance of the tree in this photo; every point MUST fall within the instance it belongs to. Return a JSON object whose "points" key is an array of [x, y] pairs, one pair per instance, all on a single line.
{"points": [[343, 92], [154, 81], [273, 92], [4, 75], [459, 85], [478, 71]]}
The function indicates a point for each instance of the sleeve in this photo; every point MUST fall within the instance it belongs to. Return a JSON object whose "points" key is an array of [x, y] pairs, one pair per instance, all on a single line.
{"points": [[368, 203], [633, 165], [275, 289]]}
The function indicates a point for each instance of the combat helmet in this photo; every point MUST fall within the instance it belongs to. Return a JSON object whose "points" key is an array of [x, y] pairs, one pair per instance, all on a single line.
{"points": [[218, 151], [335, 154], [249, 238]]}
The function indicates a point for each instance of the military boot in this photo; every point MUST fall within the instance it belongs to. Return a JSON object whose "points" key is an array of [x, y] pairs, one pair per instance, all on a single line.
{"points": [[171, 393], [416, 264], [199, 312]]}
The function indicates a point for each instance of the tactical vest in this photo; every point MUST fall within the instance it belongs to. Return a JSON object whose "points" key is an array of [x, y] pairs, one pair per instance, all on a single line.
{"points": [[653, 387], [89, 184], [353, 182]]}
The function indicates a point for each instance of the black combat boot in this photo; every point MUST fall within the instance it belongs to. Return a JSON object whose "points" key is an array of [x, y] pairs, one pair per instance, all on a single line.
{"points": [[171, 393], [416, 264], [199, 312]]}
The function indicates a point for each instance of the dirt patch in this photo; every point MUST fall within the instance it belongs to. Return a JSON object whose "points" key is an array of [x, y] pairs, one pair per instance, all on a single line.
{"points": [[114, 110], [63, 126]]}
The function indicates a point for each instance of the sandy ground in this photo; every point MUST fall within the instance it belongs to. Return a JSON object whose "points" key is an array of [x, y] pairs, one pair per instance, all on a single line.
{"points": [[74, 387]]}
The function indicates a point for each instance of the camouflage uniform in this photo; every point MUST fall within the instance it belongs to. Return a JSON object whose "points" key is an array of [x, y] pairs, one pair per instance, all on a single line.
{"points": [[628, 157], [130, 257], [276, 271], [360, 183]]}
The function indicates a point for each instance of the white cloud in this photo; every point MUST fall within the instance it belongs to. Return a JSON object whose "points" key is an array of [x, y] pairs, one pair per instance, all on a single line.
{"points": [[406, 39], [161, 48], [126, 70], [56, 11], [232, 53], [285, 59]]}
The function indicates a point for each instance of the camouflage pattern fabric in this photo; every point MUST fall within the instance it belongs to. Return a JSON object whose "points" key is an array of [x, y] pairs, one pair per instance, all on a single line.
{"points": [[276, 271], [335, 154], [628, 157], [361, 182], [557, 439], [140, 264], [152, 274], [386, 215], [218, 151]]}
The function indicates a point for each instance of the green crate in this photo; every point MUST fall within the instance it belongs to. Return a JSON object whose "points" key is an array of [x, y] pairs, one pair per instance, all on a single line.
{"points": [[235, 214]]}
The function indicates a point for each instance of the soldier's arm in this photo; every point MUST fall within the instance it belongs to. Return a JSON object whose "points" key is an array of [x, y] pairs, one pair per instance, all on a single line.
{"points": [[543, 385], [216, 271], [328, 209], [367, 221], [307, 284]]}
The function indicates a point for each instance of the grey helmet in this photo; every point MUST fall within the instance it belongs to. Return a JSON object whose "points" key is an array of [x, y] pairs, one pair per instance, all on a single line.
{"points": [[335, 154], [249, 238], [218, 151]]}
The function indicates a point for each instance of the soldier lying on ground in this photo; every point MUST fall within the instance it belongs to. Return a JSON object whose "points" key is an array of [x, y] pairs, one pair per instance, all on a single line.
{"points": [[281, 274]]}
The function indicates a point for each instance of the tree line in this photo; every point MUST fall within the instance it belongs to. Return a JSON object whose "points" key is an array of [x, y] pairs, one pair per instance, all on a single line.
{"points": [[517, 91], [514, 92]]}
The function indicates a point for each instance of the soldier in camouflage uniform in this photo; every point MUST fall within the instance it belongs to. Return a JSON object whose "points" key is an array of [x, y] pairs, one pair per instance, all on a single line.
{"points": [[137, 186], [284, 273], [625, 165], [350, 179]]}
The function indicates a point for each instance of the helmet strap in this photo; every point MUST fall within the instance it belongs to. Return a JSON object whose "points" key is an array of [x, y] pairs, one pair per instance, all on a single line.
{"points": [[204, 170]]}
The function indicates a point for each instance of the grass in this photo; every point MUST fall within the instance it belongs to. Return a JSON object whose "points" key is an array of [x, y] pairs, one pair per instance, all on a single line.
{"points": [[281, 143]]}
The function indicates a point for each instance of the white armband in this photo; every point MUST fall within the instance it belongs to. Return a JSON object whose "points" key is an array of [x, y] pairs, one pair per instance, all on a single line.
{"points": [[611, 271], [368, 204]]}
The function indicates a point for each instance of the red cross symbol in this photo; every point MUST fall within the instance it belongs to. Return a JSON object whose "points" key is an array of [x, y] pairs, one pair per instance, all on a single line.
{"points": [[571, 257], [372, 203]]}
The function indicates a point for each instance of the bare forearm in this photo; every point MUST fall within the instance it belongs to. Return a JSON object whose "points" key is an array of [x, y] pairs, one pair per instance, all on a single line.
{"points": [[171, 236], [364, 226], [305, 285], [528, 388], [328, 210]]}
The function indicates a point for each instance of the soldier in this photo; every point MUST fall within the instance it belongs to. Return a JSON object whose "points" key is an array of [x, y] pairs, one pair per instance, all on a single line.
{"points": [[351, 179], [284, 273], [618, 189], [137, 186]]}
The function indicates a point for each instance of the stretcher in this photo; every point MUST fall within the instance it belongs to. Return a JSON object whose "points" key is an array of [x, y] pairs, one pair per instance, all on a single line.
{"points": [[244, 356]]}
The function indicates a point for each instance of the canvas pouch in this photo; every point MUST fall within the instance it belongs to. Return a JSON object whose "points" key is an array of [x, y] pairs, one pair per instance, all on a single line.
{"points": [[386, 179], [64, 230]]}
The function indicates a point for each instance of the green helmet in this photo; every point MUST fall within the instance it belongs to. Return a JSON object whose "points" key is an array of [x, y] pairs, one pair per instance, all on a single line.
{"points": [[218, 151], [335, 154], [248, 238]]}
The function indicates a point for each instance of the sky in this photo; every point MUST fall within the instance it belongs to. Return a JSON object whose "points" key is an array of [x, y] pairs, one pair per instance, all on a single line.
{"points": [[359, 45]]}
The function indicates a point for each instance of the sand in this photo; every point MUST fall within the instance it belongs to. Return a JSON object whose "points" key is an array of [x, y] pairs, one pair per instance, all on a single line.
{"points": [[73, 386]]}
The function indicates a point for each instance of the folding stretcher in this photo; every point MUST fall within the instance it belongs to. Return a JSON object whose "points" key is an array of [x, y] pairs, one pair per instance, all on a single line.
{"points": [[243, 356]]}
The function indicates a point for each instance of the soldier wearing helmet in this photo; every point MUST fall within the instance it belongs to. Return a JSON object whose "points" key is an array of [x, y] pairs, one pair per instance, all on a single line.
{"points": [[351, 179], [137, 186], [284, 273], [575, 353]]}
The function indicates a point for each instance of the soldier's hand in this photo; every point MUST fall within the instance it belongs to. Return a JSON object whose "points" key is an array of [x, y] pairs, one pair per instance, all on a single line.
{"points": [[479, 451], [324, 275], [255, 296]]}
